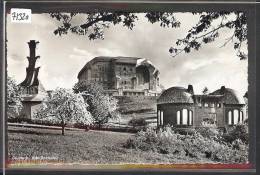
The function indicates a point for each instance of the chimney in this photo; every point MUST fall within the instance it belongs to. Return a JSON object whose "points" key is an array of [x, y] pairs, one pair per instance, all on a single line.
{"points": [[190, 89], [246, 95], [222, 89]]}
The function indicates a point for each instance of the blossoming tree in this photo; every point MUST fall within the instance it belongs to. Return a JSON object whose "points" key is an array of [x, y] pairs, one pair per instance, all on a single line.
{"points": [[63, 106]]}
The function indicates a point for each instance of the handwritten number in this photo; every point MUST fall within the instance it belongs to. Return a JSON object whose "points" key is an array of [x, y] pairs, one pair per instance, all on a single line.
{"points": [[20, 16]]}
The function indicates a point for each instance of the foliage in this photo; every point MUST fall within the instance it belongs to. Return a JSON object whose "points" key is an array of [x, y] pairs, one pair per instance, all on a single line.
{"points": [[208, 29], [210, 132], [205, 91], [166, 141], [208, 123], [205, 31], [14, 97], [23, 119], [102, 107], [238, 132], [135, 122], [63, 106], [96, 22]]}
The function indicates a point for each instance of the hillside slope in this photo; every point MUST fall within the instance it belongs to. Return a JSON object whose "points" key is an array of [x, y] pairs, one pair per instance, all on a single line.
{"points": [[137, 107]]}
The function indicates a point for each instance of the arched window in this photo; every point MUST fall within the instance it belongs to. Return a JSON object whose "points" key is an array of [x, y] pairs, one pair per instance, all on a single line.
{"points": [[241, 117], [161, 117], [190, 118], [236, 116], [206, 105], [178, 117], [184, 116], [229, 117], [158, 117]]}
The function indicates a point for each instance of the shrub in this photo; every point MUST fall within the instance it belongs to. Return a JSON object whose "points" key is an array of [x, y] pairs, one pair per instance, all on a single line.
{"points": [[209, 132], [137, 122], [185, 131], [167, 141], [237, 132], [20, 119]]}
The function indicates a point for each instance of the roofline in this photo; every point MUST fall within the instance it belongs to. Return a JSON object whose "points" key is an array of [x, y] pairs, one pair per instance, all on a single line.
{"points": [[91, 61], [107, 59]]}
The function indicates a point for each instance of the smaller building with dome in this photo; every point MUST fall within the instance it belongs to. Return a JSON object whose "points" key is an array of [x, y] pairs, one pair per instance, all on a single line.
{"points": [[180, 107]]}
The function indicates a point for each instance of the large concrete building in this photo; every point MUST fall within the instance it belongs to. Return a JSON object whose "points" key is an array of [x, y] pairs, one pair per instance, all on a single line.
{"points": [[122, 76], [33, 91], [180, 107]]}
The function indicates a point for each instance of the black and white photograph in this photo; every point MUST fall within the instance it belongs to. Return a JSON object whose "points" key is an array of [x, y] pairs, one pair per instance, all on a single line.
{"points": [[128, 88]]}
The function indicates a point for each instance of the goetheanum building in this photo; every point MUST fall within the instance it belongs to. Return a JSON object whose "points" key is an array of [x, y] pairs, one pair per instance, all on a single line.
{"points": [[120, 76], [180, 107]]}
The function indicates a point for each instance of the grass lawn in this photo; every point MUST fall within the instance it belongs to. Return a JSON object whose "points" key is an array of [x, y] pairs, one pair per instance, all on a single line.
{"points": [[91, 147]]}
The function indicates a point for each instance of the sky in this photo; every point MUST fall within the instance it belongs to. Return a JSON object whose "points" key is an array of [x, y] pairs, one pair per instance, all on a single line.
{"points": [[61, 58]]}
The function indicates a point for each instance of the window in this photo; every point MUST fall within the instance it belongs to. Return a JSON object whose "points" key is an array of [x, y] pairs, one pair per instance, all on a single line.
{"points": [[161, 117], [236, 116], [124, 69], [230, 118], [158, 117], [218, 105], [178, 117], [184, 116], [190, 118], [241, 117], [206, 105]]}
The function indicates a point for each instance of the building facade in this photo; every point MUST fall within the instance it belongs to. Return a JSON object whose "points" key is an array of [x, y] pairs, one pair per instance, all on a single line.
{"points": [[122, 76], [180, 107], [33, 91]]}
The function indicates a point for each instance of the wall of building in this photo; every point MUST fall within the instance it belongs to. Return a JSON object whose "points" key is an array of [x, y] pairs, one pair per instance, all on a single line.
{"points": [[200, 113], [125, 74], [231, 108], [121, 76], [170, 113], [99, 72]]}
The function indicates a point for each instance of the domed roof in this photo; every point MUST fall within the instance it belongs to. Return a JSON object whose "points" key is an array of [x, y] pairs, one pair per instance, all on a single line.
{"points": [[230, 96], [175, 95]]}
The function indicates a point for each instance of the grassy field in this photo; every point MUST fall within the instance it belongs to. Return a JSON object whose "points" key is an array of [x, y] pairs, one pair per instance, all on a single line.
{"points": [[92, 147]]}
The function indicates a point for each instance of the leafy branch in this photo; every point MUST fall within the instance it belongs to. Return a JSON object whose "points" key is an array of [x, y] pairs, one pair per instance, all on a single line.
{"points": [[96, 22], [206, 32]]}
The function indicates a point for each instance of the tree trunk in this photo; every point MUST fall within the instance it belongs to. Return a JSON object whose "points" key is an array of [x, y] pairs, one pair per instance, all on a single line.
{"points": [[62, 126], [63, 129]]}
